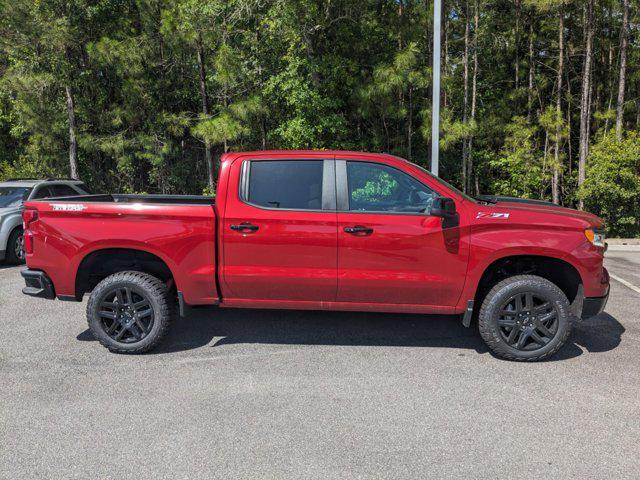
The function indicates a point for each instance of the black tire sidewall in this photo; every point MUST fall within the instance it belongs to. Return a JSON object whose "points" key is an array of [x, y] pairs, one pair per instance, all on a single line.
{"points": [[10, 255], [506, 289], [140, 284]]}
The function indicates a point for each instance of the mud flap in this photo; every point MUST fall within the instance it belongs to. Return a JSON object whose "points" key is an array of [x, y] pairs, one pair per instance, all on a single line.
{"points": [[466, 319], [182, 306], [576, 306]]}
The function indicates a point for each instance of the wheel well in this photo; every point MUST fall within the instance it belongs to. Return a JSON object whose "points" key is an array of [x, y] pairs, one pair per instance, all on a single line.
{"points": [[100, 264], [17, 228], [561, 273]]}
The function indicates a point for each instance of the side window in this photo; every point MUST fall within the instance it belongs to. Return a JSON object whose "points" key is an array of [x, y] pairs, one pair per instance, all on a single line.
{"points": [[374, 187], [42, 192], [62, 191], [285, 184]]}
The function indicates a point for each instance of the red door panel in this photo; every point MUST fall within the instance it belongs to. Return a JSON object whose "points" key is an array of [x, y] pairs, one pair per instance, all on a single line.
{"points": [[406, 259], [288, 258], [291, 255]]}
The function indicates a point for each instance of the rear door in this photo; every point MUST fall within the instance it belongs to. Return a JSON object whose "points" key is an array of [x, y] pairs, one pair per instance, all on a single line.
{"points": [[390, 250], [280, 233]]}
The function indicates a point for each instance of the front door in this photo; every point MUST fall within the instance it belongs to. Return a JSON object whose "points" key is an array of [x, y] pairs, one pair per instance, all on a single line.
{"points": [[390, 250], [280, 233]]}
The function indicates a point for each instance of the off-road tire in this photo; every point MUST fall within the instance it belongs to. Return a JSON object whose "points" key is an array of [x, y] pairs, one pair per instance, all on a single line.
{"points": [[11, 257], [155, 291], [500, 293]]}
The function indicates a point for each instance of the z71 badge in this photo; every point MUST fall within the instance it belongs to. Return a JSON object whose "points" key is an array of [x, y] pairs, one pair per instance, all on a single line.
{"points": [[492, 215]]}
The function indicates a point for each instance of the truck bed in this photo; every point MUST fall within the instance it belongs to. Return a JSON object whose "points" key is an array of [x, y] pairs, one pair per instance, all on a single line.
{"points": [[180, 230]]}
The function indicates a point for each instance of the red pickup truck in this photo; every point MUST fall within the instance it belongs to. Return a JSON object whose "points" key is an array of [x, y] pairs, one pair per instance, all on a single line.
{"points": [[323, 230]]}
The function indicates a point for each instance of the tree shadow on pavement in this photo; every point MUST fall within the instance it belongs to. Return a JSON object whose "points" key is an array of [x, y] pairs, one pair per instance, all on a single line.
{"points": [[216, 327]]}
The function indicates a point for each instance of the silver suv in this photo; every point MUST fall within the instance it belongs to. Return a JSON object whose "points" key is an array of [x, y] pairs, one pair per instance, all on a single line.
{"points": [[13, 194]]}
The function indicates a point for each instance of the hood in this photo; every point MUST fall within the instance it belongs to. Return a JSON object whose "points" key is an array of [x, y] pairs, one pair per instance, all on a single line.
{"points": [[536, 211]]}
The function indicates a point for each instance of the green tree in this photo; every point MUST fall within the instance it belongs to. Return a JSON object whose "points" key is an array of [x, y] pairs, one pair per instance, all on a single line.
{"points": [[144, 95], [518, 170], [612, 185]]}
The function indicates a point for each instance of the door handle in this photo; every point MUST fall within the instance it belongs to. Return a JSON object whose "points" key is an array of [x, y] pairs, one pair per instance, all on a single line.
{"points": [[245, 227], [358, 230]]}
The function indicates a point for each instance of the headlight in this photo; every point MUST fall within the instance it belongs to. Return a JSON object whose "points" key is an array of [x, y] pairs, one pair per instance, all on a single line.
{"points": [[595, 236]]}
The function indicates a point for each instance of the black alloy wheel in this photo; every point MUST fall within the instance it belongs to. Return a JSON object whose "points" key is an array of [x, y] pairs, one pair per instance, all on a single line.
{"points": [[126, 314], [130, 312], [527, 321], [525, 318]]}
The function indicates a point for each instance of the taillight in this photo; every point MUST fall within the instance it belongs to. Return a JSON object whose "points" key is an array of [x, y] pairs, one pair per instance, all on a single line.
{"points": [[27, 236], [29, 216]]}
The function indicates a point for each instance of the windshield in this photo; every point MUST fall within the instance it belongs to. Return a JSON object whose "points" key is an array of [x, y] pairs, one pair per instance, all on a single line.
{"points": [[446, 184], [13, 196]]}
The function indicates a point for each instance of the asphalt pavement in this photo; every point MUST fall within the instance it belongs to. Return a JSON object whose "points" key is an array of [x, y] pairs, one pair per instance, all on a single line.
{"points": [[244, 394]]}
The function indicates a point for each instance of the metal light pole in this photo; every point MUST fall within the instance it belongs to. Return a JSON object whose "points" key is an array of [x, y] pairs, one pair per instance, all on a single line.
{"points": [[435, 112]]}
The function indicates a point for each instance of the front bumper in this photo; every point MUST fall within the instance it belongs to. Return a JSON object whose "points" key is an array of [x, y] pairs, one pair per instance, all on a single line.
{"points": [[592, 306], [587, 307], [38, 284]]}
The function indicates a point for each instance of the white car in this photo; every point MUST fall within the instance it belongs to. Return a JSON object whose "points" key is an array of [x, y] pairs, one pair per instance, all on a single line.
{"points": [[13, 194]]}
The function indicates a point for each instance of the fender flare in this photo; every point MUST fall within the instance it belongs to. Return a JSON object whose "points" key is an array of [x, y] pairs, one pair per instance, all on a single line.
{"points": [[476, 272], [130, 245]]}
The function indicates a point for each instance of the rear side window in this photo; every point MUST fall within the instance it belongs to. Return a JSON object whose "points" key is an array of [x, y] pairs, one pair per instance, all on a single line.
{"points": [[285, 184]]}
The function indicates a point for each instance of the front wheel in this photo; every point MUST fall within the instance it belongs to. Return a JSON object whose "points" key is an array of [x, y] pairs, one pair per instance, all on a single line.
{"points": [[525, 318], [129, 312]]}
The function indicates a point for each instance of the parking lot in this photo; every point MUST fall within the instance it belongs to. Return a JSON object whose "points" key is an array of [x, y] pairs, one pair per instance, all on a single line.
{"points": [[286, 394]]}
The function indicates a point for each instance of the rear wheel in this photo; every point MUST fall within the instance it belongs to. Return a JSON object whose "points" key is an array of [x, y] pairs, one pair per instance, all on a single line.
{"points": [[525, 318], [15, 247], [129, 312]]}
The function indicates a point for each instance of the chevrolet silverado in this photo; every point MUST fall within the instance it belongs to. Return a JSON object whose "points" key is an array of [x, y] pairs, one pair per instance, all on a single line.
{"points": [[324, 230]]}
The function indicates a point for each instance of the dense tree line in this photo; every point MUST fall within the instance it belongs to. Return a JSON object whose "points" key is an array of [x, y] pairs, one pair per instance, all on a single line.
{"points": [[541, 98]]}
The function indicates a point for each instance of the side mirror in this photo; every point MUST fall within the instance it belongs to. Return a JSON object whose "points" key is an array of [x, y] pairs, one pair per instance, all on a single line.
{"points": [[443, 207]]}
